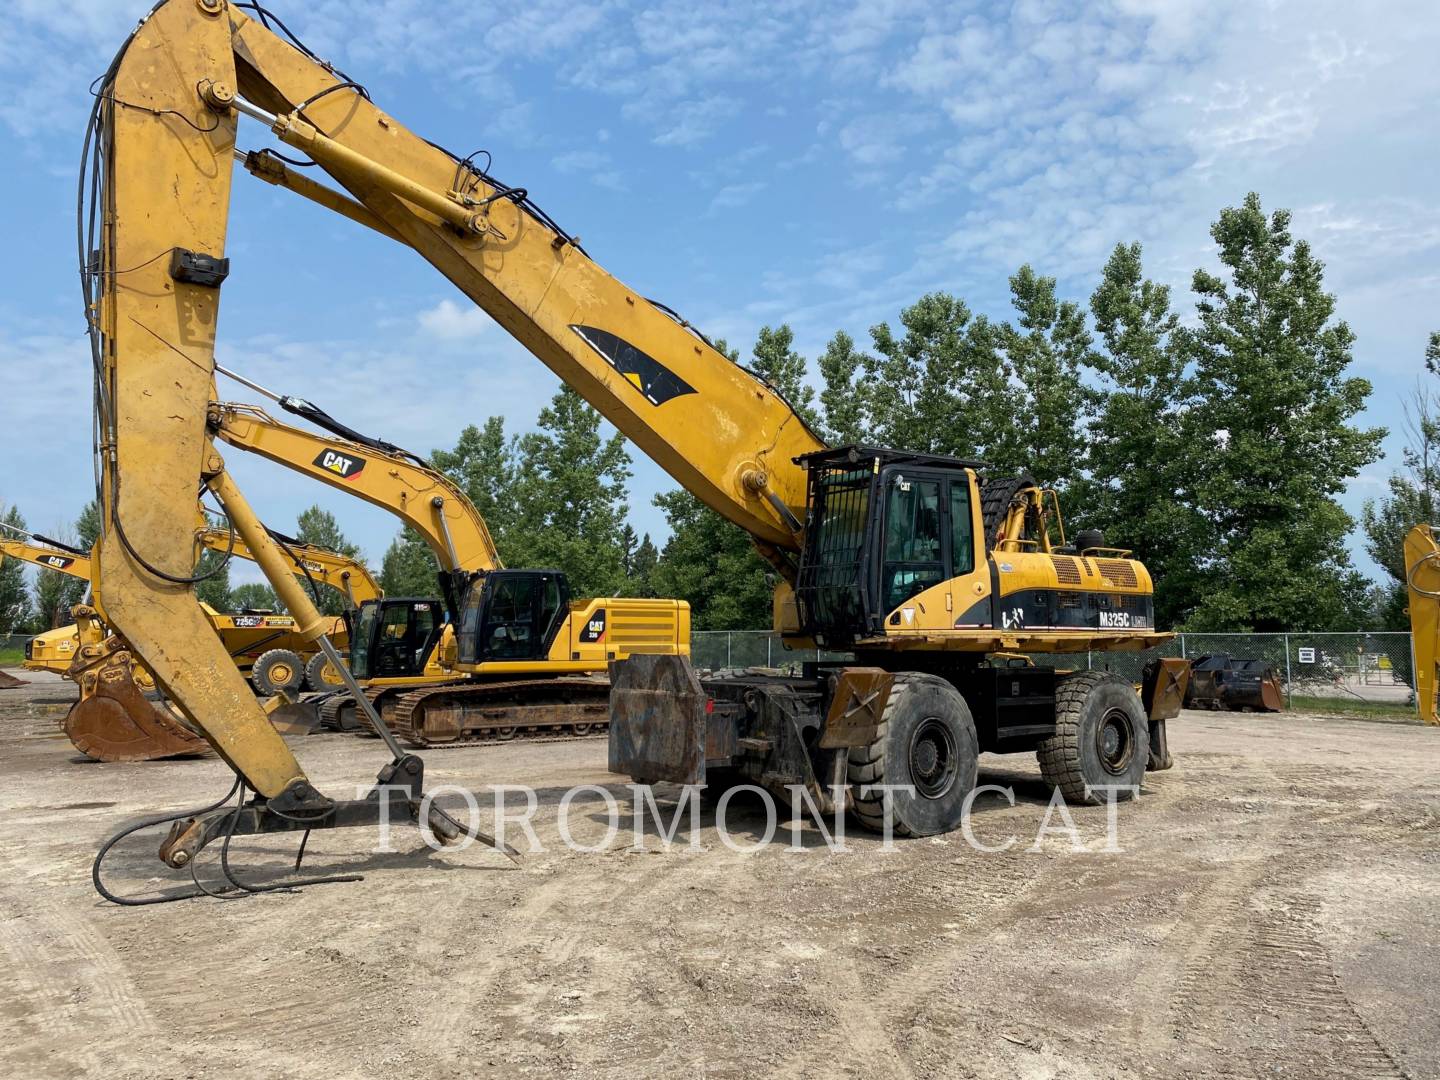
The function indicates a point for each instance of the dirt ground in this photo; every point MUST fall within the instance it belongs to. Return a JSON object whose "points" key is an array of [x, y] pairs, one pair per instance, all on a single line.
{"points": [[1273, 913]]}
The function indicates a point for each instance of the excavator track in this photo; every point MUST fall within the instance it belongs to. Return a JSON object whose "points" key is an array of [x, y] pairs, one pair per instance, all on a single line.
{"points": [[479, 713]]}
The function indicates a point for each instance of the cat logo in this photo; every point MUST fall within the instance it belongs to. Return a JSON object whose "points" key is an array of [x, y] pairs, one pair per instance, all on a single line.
{"points": [[595, 628], [56, 562], [347, 466]]}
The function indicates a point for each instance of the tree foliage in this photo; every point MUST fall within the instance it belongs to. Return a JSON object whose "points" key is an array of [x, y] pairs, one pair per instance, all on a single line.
{"points": [[409, 567], [14, 594], [318, 527], [255, 596], [1272, 409], [1411, 498]]}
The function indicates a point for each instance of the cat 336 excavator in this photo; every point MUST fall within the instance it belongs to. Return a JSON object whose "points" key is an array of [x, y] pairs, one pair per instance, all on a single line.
{"points": [[937, 576], [515, 665]]}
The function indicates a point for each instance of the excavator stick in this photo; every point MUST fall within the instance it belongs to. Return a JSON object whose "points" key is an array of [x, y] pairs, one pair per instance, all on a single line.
{"points": [[114, 720], [1422, 579]]}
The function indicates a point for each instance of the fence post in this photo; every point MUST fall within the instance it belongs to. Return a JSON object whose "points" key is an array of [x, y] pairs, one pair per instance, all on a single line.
{"points": [[1289, 693], [1183, 655], [769, 647], [729, 636]]}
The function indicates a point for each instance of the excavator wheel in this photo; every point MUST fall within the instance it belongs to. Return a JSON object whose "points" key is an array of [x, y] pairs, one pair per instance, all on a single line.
{"points": [[276, 670], [321, 676], [1101, 740], [927, 749], [114, 721]]}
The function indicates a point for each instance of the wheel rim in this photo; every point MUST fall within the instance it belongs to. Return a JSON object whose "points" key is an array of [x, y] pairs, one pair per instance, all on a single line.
{"points": [[934, 763], [1115, 741]]}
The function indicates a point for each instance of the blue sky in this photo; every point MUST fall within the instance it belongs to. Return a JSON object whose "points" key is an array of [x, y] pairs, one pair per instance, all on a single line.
{"points": [[817, 163]]}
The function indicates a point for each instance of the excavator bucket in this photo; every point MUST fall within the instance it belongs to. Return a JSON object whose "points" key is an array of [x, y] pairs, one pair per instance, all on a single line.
{"points": [[9, 682], [115, 721]]}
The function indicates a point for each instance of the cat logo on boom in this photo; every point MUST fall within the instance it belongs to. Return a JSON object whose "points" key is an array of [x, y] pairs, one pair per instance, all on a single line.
{"points": [[347, 466], [56, 562]]}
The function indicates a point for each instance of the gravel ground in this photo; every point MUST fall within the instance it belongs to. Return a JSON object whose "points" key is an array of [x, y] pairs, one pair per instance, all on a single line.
{"points": [[1272, 913]]}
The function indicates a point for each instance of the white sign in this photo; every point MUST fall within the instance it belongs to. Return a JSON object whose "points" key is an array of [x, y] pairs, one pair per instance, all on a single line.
{"points": [[1307, 656]]}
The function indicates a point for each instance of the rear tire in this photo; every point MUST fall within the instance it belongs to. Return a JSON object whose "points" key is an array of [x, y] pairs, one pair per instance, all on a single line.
{"points": [[276, 670], [1102, 738], [926, 743]]}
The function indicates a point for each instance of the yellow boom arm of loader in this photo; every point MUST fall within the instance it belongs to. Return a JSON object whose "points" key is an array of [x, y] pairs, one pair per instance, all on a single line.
{"points": [[1422, 579]]}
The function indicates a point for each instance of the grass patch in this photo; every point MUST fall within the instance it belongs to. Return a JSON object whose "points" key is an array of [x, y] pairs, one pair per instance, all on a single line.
{"points": [[1348, 706], [11, 657]]}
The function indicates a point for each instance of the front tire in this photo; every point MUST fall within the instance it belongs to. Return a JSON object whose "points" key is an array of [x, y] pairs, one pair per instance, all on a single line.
{"points": [[925, 744], [276, 670], [1102, 738]]}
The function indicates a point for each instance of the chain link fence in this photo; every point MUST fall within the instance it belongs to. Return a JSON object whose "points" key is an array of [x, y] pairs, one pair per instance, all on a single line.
{"points": [[12, 648], [1370, 667]]}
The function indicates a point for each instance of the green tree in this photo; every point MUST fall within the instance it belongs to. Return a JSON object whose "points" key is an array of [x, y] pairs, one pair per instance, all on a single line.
{"points": [[1274, 406], [14, 595], [942, 387], [318, 527], [483, 464], [1411, 499], [1047, 352], [639, 557], [57, 593], [1141, 489], [844, 413], [570, 498], [409, 567], [777, 362], [712, 564], [255, 596]]}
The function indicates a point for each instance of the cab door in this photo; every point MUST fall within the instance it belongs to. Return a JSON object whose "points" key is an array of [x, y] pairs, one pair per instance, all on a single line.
{"points": [[932, 577], [521, 614]]}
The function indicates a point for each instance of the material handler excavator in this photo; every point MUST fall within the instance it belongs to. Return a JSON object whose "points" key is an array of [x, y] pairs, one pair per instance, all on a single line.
{"points": [[1422, 579], [911, 561]]}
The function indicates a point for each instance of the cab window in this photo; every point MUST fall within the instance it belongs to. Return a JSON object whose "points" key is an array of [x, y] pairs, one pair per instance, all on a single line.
{"points": [[914, 559], [962, 530]]}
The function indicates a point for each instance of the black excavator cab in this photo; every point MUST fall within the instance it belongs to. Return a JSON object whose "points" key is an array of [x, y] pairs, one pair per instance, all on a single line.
{"points": [[882, 525], [393, 637]]}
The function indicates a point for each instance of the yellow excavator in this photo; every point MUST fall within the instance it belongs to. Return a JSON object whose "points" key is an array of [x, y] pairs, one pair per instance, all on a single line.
{"points": [[261, 643], [513, 668], [115, 718], [939, 577], [1422, 579]]}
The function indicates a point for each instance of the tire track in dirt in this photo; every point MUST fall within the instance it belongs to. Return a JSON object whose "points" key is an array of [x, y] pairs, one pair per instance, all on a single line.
{"points": [[63, 976]]}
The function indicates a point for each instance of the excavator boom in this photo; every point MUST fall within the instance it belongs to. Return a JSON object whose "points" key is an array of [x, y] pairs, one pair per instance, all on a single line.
{"points": [[1422, 580]]}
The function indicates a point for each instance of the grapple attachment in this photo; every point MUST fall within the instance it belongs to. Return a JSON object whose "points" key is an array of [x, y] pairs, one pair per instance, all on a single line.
{"points": [[657, 719], [114, 720], [1221, 681]]}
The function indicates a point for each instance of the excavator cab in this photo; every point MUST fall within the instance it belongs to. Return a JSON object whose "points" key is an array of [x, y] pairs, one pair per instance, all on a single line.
{"points": [[887, 534], [513, 615], [393, 637]]}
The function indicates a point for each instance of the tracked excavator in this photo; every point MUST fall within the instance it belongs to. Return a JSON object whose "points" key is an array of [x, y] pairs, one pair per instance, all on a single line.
{"points": [[899, 557], [513, 659], [260, 642], [1422, 580]]}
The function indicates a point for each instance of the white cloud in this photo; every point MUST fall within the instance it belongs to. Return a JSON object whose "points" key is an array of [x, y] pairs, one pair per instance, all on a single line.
{"points": [[449, 321]]}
